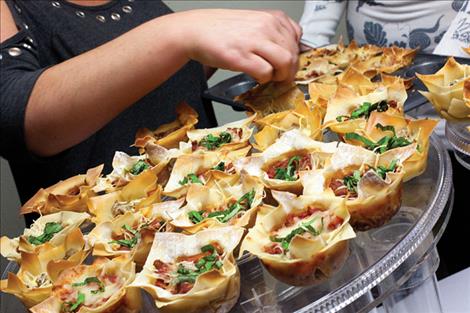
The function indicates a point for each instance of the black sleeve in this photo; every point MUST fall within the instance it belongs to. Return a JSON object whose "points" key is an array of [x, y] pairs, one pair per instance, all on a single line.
{"points": [[19, 71]]}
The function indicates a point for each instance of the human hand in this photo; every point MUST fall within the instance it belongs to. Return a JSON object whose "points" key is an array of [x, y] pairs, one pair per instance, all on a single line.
{"points": [[263, 44]]}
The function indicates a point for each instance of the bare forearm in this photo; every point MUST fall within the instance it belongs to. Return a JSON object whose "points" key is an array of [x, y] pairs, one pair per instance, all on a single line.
{"points": [[74, 99]]}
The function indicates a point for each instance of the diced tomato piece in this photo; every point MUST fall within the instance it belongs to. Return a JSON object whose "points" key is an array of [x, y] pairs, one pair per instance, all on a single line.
{"points": [[194, 145], [111, 278], [161, 267], [160, 283]]}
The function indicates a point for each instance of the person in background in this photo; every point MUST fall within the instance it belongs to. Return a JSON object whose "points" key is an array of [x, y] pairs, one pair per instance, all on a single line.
{"points": [[79, 77], [407, 23]]}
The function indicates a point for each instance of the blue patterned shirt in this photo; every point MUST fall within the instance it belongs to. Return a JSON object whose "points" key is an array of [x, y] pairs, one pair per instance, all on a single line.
{"points": [[405, 23]]}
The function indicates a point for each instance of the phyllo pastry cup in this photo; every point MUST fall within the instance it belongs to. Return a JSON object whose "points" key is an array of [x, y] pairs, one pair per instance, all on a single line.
{"points": [[194, 168], [279, 165], [100, 287], [52, 229], [272, 97], [446, 90], [316, 69], [304, 240], [231, 136], [193, 273], [67, 195], [307, 119], [395, 136], [132, 233], [33, 282], [169, 135], [141, 192], [348, 110], [225, 200], [371, 185]]}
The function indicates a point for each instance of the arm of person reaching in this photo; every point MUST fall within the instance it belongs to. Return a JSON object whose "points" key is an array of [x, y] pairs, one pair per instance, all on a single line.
{"points": [[72, 100], [319, 22]]}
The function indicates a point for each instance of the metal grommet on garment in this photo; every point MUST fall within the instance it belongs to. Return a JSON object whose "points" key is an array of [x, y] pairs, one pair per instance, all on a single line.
{"points": [[17, 8], [25, 26], [131, 0], [115, 16], [101, 18], [14, 52], [26, 46], [30, 40], [1, 56], [80, 14], [56, 4], [127, 9]]}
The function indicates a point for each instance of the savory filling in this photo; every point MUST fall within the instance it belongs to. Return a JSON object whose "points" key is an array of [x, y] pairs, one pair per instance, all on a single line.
{"points": [[225, 167], [126, 238], [121, 207], [165, 133], [139, 167], [90, 292], [346, 186], [212, 142], [385, 143], [234, 210], [50, 229], [32, 282], [289, 169], [365, 109], [179, 277], [310, 223], [192, 178]]}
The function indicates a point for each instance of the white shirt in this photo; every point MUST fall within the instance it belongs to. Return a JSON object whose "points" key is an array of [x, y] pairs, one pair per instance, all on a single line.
{"points": [[405, 23]]}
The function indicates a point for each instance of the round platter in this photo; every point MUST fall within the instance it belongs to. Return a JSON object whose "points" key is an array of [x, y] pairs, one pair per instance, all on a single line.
{"points": [[380, 259]]}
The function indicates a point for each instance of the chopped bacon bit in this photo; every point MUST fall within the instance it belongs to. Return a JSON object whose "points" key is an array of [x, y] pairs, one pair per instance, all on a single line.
{"points": [[338, 188], [273, 249], [236, 131], [161, 267], [194, 145], [392, 104], [183, 287], [335, 222]]}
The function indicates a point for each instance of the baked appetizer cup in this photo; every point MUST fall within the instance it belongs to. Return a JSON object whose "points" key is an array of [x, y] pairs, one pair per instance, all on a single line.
{"points": [[33, 282], [143, 190], [53, 229], [169, 135], [226, 200], [446, 90], [392, 136], [279, 165], [231, 136], [371, 186], [190, 169], [272, 97], [307, 119], [96, 288], [67, 195], [132, 233], [193, 273], [304, 240], [348, 110]]}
